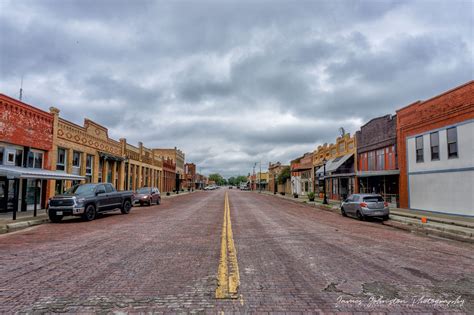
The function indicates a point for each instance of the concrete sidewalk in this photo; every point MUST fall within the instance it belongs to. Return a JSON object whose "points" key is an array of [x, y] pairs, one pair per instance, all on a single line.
{"points": [[439, 225], [26, 219]]}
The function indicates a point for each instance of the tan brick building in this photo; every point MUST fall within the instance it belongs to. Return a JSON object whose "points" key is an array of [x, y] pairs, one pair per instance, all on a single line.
{"points": [[143, 168], [87, 151]]}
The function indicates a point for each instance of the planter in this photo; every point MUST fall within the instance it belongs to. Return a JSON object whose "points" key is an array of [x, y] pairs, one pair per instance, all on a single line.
{"points": [[311, 199], [168, 193], [295, 195]]}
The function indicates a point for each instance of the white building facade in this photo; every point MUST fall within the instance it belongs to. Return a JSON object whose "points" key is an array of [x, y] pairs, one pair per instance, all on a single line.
{"points": [[440, 169]]}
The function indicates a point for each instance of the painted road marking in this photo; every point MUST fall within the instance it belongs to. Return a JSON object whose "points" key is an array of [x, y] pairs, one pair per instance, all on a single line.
{"points": [[228, 278]]}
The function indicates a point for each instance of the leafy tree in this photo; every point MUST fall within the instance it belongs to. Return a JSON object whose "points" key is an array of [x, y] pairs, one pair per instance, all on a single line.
{"points": [[216, 177], [284, 175]]}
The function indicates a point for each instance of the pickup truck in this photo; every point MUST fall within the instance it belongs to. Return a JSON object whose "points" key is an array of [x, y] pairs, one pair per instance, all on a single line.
{"points": [[86, 200]]}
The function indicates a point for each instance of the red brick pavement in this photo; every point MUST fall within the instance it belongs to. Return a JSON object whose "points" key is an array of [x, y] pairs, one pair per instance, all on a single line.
{"points": [[292, 257]]}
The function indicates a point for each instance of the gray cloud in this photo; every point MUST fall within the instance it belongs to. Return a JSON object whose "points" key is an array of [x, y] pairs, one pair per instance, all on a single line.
{"points": [[233, 82]]}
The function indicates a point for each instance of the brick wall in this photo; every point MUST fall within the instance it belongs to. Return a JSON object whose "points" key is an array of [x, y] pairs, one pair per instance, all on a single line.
{"points": [[378, 133], [451, 107], [25, 125]]}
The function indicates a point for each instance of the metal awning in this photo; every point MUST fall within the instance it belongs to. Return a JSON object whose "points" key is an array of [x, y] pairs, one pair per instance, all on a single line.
{"points": [[12, 172], [378, 173], [110, 157], [333, 164]]}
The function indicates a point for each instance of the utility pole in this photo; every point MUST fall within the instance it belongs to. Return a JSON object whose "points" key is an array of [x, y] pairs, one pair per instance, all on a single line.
{"points": [[260, 179], [253, 176]]}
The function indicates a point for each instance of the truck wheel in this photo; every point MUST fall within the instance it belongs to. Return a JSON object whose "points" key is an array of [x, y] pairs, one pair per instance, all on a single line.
{"points": [[54, 218], [89, 213], [126, 207]]}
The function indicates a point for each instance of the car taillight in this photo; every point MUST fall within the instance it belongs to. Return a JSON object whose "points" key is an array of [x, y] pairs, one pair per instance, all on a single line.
{"points": [[363, 204], [385, 204]]}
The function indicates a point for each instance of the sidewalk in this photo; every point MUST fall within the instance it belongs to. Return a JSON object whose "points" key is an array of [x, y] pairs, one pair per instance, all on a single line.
{"points": [[439, 225], [26, 219]]}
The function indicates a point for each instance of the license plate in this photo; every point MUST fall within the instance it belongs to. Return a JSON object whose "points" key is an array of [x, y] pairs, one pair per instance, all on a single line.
{"points": [[59, 213]]}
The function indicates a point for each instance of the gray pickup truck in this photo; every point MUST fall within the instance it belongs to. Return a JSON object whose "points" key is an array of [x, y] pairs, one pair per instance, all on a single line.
{"points": [[86, 200]]}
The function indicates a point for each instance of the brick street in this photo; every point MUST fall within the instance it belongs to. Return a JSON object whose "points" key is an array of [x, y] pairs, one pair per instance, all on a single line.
{"points": [[291, 257]]}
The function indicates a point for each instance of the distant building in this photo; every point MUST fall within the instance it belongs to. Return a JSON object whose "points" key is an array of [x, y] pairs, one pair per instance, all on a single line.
{"points": [[178, 158], [436, 152], [301, 177]]}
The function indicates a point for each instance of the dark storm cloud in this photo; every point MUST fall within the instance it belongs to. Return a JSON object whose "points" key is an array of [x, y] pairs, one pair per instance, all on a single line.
{"points": [[233, 82]]}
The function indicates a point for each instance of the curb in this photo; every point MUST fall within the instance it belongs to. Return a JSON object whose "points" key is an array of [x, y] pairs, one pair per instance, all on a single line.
{"points": [[428, 231], [16, 226]]}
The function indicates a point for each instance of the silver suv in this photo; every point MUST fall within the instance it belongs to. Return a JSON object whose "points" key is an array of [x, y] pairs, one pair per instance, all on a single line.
{"points": [[365, 205]]}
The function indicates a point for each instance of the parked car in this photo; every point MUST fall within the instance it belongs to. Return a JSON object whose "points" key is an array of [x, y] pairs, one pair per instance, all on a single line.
{"points": [[86, 200], [211, 187], [147, 196], [365, 205]]}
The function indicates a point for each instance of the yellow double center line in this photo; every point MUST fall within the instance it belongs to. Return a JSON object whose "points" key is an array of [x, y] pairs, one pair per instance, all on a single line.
{"points": [[228, 272]]}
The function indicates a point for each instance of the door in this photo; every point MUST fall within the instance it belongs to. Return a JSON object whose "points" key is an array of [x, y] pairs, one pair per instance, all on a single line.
{"points": [[103, 201], [115, 198]]}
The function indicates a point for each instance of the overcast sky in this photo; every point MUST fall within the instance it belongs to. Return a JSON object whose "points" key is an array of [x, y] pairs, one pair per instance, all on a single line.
{"points": [[232, 82]]}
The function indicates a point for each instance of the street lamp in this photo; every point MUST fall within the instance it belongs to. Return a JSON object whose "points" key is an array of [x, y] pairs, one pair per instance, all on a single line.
{"points": [[325, 199]]}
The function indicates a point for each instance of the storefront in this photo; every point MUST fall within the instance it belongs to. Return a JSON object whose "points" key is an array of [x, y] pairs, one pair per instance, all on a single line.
{"points": [[23, 189], [338, 175]]}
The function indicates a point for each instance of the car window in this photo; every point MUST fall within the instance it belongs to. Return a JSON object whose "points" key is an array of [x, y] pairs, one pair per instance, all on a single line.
{"points": [[355, 198], [373, 199], [108, 188], [100, 187], [350, 198]]}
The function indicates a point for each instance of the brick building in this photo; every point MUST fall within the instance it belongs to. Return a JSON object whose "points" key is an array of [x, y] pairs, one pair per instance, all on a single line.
{"points": [[435, 140], [170, 179], [377, 170], [143, 168], [301, 177], [178, 158], [86, 151], [26, 144], [335, 166], [274, 170], [190, 176]]}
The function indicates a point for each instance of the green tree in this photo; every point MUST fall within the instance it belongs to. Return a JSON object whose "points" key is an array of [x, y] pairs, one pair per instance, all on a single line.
{"points": [[284, 175], [216, 177]]}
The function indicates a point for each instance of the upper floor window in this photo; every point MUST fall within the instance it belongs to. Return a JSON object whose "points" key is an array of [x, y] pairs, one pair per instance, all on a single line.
{"points": [[434, 143], [419, 149], [452, 142], [35, 159], [61, 161], [342, 147], [371, 161], [19, 157], [2, 152], [76, 159], [380, 159]]}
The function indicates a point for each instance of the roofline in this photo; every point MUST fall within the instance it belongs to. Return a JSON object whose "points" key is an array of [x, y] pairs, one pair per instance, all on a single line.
{"points": [[437, 96]]}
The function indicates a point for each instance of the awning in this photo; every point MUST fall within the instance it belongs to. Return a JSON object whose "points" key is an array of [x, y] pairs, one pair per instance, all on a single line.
{"points": [[378, 173], [333, 164], [12, 172], [110, 157]]}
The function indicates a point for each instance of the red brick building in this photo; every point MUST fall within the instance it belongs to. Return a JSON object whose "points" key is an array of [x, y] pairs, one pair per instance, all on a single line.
{"points": [[435, 152], [26, 141], [189, 176], [169, 175]]}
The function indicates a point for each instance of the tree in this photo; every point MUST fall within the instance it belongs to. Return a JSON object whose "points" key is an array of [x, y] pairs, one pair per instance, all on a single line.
{"points": [[217, 178], [284, 175]]}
